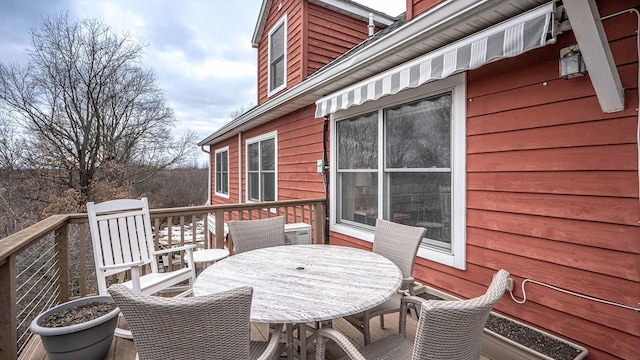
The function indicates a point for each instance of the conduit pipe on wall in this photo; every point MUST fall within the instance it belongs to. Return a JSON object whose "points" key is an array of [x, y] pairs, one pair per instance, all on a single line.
{"points": [[325, 177], [632, 10]]}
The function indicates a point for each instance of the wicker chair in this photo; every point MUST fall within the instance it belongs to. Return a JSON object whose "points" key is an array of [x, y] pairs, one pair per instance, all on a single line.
{"points": [[398, 243], [256, 234], [208, 327], [447, 330]]}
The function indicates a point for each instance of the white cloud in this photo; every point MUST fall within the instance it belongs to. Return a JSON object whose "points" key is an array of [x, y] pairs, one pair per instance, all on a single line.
{"points": [[176, 61]]}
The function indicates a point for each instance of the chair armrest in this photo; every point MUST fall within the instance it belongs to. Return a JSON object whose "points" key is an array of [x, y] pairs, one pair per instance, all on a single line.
{"points": [[123, 265], [274, 344], [176, 248], [342, 341], [407, 282]]}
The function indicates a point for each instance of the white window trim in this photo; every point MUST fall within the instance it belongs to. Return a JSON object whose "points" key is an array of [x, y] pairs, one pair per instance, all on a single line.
{"points": [[270, 91], [457, 83], [271, 135], [215, 168]]}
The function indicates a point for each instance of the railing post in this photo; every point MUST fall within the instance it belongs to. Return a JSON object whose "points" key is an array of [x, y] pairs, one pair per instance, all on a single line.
{"points": [[320, 220], [61, 247], [219, 230], [8, 322]]}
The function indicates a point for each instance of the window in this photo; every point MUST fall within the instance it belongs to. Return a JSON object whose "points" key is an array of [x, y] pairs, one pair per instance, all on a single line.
{"points": [[403, 159], [261, 168], [222, 172], [278, 56]]}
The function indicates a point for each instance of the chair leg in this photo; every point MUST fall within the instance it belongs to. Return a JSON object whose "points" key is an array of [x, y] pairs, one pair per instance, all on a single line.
{"points": [[381, 321], [367, 333]]}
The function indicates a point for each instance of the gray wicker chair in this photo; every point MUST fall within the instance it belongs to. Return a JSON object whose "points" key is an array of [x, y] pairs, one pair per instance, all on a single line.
{"points": [[398, 243], [208, 327], [447, 330], [249, 235]]}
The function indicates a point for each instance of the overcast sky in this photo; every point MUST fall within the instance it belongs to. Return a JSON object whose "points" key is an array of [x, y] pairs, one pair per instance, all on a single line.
{"points": [[200, 50]]}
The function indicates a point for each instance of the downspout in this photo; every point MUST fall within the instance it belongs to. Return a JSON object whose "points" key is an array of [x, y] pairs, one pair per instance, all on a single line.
{"points": [[325, 178], [209, 174], [239, 167]]}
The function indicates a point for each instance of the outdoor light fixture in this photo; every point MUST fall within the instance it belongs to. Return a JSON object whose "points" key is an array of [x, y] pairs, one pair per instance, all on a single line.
{"points": [[571, 63]]}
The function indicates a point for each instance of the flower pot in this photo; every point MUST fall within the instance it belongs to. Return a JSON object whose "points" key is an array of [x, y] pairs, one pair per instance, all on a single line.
{"points": [[89, 340]]}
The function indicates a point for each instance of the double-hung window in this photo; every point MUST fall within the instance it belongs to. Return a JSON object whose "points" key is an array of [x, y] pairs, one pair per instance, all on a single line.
{"points": [[402, 158], [222, 172], [278, 56], [261, 168]]}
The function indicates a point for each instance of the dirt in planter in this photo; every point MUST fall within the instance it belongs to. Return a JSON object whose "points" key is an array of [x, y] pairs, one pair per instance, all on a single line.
{"points": [[525, 336], [77, 314]]}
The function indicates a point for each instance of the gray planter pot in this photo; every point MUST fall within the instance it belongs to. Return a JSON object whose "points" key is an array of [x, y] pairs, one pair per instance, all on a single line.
{"points": [[90, 340]]}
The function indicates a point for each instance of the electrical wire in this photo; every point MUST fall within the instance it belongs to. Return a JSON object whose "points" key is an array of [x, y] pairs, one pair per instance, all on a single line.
{"points": [[524, 295]]}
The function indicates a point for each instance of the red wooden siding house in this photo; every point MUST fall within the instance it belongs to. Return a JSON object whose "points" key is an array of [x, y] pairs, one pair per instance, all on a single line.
{"points": [[454, 117]]}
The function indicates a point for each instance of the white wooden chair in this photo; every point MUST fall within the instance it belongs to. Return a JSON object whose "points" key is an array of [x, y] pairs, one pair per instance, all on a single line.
{"points": [[122, 240]]}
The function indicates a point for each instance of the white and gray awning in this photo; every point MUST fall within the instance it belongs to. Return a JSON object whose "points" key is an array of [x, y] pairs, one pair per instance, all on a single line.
{"points": [[507, 39]]}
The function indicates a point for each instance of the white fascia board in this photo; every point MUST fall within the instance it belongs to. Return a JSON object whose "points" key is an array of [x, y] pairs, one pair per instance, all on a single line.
{"points": [[594, 46], [260, 24]]}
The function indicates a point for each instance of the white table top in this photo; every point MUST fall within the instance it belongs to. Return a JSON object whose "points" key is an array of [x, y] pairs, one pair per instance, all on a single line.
{"points": [[304, 283]]}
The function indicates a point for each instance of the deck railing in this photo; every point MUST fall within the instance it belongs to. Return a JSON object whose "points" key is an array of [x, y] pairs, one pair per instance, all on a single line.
{"points": [[52, 261]]}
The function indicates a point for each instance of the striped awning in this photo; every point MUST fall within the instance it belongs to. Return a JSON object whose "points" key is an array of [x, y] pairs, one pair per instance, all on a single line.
{"points": [[506, 39]]}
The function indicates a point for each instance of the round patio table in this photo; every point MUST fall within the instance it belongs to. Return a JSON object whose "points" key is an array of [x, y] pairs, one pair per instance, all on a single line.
{"points": [[304, 283]]}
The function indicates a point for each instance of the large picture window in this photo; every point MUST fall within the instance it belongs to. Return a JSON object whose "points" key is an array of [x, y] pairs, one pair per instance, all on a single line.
{"points": [[278, 56], [261, 168], [222, 172], [402, 159]]}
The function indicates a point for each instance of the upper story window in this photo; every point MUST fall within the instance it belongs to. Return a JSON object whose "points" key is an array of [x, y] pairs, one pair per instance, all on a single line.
{"points": [[402, 158], [261, 168], [278, 56], [222, 172]]}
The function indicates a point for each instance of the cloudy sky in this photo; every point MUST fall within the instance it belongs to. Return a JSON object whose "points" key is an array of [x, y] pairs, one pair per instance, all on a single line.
{"points": [[200, 50]]}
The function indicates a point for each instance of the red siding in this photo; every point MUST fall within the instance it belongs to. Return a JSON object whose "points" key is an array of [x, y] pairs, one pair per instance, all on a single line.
{"points": [[315, 36], [294, 11], [330, 35], [417, 7], [553, 195]]}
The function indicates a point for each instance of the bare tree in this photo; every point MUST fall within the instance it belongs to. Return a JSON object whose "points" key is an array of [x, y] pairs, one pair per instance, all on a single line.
{"points": [[90, 112]]}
